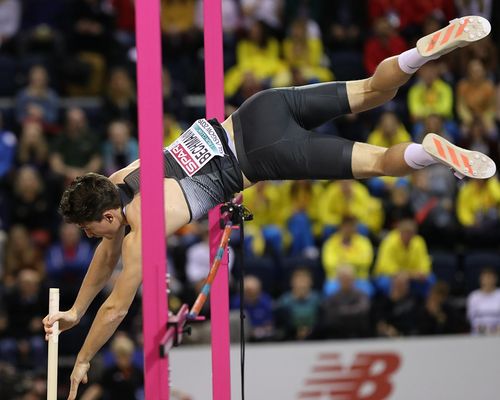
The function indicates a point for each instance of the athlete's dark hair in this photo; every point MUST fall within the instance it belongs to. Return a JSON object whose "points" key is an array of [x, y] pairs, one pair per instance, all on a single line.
{"points": [[87, 197]]}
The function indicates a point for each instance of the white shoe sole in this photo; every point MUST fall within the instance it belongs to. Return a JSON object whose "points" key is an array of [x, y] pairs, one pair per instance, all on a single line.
{"points": [[472, 164], [459, 33]]}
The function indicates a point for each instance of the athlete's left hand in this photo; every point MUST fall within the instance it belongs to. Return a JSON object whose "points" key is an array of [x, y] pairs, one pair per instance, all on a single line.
{"points": [[79, 375]]}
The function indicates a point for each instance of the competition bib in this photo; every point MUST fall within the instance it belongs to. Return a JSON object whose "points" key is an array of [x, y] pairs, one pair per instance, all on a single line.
{"points": [[196, 147]]}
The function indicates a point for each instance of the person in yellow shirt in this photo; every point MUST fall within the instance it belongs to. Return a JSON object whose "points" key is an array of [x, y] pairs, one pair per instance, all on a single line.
{"points": [[258, 53], [388, 132], [478, 207], [403, 250], [349, 197], [347, 247], [430, 95], [304, 53]]}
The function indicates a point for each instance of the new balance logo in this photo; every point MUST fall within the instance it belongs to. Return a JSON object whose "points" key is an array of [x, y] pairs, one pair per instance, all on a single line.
{"points": [[368, 378]]}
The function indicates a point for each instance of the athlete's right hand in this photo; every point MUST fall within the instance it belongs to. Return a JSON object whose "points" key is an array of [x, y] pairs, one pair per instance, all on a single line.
{"points": [[67, 320]]}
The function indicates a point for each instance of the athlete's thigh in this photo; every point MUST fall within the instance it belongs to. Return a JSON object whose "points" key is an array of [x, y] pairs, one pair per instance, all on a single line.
{"points": [[363, 97]]}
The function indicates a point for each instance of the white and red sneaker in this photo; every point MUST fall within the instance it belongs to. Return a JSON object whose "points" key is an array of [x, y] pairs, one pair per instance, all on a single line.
{"points": [[459, 33], [463, 162]]}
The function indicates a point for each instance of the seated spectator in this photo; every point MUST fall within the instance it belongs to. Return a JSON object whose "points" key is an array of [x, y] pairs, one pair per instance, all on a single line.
{"points": [[91, 42], [384, 43], [258, 53], [20, 253], [124, 12], [303, 52], [258, 309], [345, 314], [478, 138], [33, 148], [120, 149], [198, 260], [436, 316], [343, 24], [433, 193], [37, 100], [485, 50], [350, 197], [304, 212], [76, 150], [389, 131], [271, 209], [25, 306], [266, 11], [483, 305], [403, 250], [121, 381], [476, 96], [31, 205], [10, 19], [436, 124], [8, 145], [298, 309], [347, 247], [119, 102], [430, 95], [397, 206], [396, 314], [477, 210], [68, 259]]}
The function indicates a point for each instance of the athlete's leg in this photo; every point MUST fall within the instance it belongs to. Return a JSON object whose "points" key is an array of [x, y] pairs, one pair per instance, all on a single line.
{"points": [[391, 74], [394, 72]]}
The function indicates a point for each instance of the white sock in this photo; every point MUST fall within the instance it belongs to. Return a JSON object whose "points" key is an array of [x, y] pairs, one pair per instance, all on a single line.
{"points": [[417, 158], [410, 60]]}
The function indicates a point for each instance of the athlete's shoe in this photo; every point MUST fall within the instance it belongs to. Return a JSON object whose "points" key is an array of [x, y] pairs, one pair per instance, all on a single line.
{"points": [[463, 162], [459, 33]]}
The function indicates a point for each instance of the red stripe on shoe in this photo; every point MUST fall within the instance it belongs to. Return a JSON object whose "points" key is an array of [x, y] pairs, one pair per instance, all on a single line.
{"points": [[433, 41], [462, 27], [466, 162], [448, 33], [439, 148], [454, 158]]}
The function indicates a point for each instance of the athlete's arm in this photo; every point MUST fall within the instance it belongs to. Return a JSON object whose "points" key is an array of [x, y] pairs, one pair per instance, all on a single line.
{"points": [[103, 263], [101, 267], [112, 311]]}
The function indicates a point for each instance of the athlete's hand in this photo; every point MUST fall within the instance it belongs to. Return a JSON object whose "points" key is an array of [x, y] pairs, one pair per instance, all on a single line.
{"points": [[79, 375], [67, 319]]}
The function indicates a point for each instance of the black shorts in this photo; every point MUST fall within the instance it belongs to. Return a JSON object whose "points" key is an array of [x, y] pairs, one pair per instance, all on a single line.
{"points": [[274, 139]]}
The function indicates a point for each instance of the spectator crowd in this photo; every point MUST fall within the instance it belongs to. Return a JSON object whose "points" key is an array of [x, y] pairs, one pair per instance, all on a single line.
{"points": [[383, 257]]}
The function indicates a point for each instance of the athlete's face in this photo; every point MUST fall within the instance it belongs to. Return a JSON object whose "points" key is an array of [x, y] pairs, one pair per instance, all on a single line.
{"points": [[106, 227]]}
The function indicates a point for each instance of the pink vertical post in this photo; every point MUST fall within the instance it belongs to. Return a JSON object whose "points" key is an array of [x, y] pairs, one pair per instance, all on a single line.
{"points": [[219, 298], [154, 300]]}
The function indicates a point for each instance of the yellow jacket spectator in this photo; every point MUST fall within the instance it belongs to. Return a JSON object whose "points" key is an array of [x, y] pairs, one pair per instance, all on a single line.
{"points": [[347, 247], [430, 95], [305, 53], [259, 54], [403, 250], [389, 131], [477, 200], [177, 16], [349, 197]]}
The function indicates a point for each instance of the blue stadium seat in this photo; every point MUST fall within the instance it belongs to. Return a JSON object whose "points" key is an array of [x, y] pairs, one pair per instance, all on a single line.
{"points": [[474, 263]]}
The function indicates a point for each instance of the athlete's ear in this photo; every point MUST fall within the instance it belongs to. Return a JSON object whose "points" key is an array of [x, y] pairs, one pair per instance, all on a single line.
{"points": [[108, 216]]}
